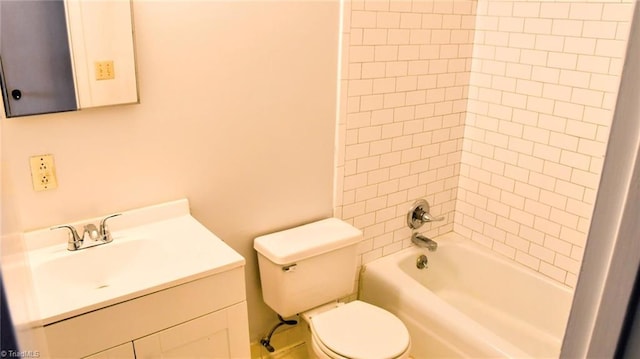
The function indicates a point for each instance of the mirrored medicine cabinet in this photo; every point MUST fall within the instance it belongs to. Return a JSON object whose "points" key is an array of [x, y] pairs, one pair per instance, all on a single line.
{"points": [[66, 55]]}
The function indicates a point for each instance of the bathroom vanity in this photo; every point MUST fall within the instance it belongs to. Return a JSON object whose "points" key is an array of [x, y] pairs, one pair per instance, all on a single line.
{"points": [[164, 287]]}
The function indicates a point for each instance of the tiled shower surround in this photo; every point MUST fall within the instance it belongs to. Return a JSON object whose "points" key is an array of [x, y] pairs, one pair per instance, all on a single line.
{"points": [[496, 112]]}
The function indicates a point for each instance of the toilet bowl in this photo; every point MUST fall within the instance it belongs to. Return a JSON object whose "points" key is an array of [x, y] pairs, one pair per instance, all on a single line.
{"points": [[355, 330]]}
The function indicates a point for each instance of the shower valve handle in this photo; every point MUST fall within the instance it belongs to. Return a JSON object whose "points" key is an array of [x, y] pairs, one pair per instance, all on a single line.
{"points": [[426, 217], [419, 214]]}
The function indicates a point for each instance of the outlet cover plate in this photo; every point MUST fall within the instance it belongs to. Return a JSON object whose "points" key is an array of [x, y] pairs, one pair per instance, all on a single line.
{"points": [[43, 174]]}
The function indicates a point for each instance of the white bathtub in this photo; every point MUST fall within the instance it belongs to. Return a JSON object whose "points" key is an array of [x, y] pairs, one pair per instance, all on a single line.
{"points": [[469, 302]]}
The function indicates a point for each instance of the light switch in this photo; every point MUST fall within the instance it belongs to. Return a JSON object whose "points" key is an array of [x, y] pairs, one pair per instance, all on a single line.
{"points": [[105, 70]]}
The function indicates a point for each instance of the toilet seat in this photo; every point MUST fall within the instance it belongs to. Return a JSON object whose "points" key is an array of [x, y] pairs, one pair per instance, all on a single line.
{"points": [[360, 330]]}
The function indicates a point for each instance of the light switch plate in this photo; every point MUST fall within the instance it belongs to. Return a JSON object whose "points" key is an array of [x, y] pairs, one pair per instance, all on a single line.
{"points": [[105, 70], [43, 173]]}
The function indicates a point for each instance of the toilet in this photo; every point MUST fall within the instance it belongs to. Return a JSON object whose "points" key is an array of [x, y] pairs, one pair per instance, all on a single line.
{"points": [[305, 270]]}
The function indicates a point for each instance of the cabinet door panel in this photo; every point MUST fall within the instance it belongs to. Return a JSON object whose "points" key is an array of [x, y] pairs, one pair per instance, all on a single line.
{"points": [[210, 336]]}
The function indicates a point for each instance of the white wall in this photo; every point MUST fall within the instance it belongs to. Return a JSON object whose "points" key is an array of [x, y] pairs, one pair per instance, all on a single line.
{"points": [[237, 114]]}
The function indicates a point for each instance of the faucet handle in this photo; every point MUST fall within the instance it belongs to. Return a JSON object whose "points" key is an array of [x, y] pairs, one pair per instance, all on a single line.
{"points": [[419, 214], [75, 241], [104, 230], [426, 217]]}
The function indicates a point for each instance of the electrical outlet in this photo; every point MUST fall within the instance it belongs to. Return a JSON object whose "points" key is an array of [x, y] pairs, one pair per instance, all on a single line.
{"points": [[43, 173], [105, 70]]}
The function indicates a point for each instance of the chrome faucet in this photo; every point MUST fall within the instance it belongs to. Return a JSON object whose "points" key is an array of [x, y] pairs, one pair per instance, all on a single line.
{"points": [[424, 242], [96, 236]]}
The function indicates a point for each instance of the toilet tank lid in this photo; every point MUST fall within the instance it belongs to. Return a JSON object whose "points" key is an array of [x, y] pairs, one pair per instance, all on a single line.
{"points": [[298, 243]]}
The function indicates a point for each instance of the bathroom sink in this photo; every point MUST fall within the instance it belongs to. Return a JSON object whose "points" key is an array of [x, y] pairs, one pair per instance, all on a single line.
{"points": [[152, 249], [99, 267]]}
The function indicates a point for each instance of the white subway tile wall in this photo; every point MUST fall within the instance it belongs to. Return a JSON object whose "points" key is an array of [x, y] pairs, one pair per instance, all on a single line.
{"points": [[405, 70], [496, 112], [542, 92]]}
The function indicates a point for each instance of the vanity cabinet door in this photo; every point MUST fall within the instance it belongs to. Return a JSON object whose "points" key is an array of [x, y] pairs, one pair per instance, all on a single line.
{"points": [[221, 334], [124, 351]]}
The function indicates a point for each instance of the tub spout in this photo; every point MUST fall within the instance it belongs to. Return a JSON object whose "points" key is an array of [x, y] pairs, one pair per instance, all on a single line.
{"points": [[424, 242]]}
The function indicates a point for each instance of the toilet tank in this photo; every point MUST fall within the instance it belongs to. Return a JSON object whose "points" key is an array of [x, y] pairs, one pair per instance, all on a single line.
{"points": [[307, 266]]}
